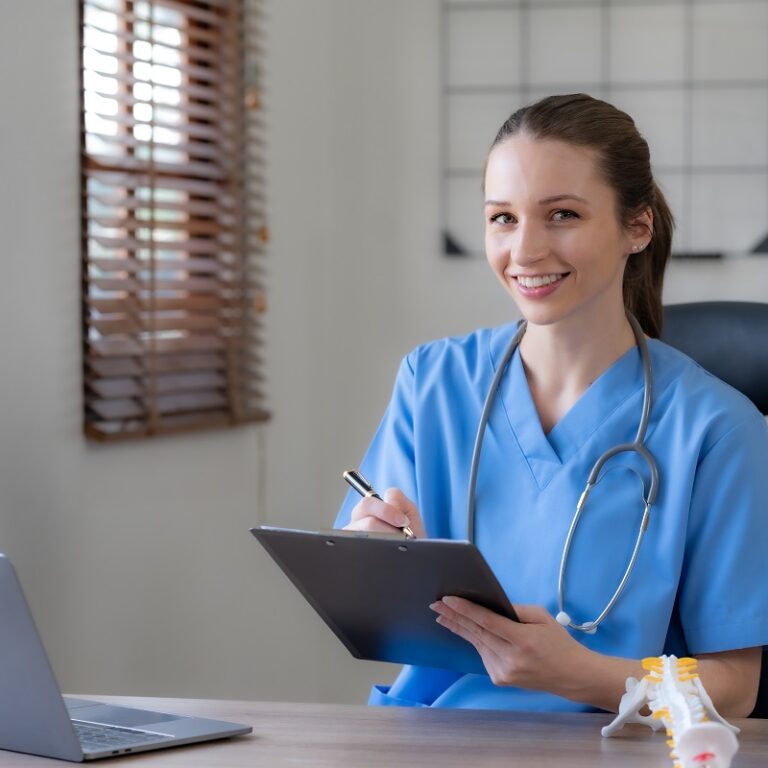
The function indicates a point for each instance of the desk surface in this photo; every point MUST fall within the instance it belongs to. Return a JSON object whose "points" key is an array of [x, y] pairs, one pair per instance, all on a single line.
{"points": [[340, 736]]}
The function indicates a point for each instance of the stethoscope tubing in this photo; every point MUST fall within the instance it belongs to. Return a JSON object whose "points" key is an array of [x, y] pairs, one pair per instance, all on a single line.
{"points": [[636, 446]]}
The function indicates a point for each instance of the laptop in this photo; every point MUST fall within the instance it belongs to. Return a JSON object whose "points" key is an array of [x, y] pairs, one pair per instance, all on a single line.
{"points": [[36, 719]]}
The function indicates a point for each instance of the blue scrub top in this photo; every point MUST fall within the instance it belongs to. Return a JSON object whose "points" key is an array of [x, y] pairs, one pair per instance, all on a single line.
{"points": [[696, 586]]}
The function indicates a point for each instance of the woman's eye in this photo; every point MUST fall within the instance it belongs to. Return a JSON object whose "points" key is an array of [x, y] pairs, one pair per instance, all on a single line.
{"points": [[564, 215], [502, 218]]}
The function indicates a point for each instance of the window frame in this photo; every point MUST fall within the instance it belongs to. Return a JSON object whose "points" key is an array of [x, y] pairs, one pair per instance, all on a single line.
{"points": [[174, 232]]}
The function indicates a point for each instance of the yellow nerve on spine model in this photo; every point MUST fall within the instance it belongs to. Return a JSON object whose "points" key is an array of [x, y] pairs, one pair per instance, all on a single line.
{"points": [[698, 736]]}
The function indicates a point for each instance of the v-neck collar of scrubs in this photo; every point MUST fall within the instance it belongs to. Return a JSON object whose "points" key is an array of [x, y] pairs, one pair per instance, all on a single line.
{"points": [[547, 453]]}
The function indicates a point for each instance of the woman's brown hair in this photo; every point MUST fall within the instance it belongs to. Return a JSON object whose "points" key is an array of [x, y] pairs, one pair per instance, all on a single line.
{"points": [[625, 163]]}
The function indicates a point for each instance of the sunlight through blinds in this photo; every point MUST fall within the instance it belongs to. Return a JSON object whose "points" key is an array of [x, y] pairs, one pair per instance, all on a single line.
{"points": [[174, 233]]}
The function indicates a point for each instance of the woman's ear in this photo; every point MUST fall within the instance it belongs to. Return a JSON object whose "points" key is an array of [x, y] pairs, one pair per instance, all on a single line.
{"points": [[640, 230]]}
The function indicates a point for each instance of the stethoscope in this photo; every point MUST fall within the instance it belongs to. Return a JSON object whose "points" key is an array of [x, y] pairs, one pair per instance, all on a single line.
{"points": [[636, 446]]}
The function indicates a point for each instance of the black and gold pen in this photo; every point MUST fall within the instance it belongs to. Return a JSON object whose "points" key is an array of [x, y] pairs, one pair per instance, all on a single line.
{"points": [[364, 488]]}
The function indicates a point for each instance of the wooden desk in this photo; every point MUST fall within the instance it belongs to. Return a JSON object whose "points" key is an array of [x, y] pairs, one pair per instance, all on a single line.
{"points": [[340, 736]]}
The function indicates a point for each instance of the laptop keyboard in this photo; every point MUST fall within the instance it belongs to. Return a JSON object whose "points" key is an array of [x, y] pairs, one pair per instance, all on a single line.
{"points": [[95, 737]]}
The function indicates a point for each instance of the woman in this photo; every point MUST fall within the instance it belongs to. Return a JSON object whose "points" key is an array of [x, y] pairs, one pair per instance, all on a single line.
{"points": [[578, 234]]}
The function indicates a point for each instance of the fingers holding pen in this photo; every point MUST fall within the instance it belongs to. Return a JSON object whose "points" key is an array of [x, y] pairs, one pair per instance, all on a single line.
{"points": [[377, 515], [396, 498], [389, 513], [374, 513]]}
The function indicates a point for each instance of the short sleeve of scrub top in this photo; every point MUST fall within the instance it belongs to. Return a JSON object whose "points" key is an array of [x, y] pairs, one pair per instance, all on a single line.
{"points": [[693, 588]]}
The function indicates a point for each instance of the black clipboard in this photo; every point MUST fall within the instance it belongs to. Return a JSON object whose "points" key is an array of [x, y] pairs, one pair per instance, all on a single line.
{"points": [[374, 591]]}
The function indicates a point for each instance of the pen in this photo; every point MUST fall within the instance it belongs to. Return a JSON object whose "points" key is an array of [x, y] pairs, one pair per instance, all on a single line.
{"points": [[364, 488]]}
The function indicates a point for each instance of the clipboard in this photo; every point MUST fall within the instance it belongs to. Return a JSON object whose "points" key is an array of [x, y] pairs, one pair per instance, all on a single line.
{"points": [[374, 591]]}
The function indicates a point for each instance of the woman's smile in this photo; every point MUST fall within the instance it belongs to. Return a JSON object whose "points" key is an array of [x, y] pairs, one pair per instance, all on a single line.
{"points": [[539, 286]]}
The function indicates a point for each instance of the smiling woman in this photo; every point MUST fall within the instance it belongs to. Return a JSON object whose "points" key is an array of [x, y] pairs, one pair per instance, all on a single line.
{"points": [[582, 391], [604, 163], [560, 254]]}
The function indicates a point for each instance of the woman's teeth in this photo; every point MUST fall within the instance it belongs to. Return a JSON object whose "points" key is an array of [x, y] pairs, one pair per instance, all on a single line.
{"points": [[538, 281]]}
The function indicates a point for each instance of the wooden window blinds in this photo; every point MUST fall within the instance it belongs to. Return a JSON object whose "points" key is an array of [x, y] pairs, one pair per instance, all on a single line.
{"points": [[173, 230]]}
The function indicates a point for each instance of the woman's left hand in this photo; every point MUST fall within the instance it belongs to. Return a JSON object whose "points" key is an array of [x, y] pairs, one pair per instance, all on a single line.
{"points": [[534, 653]]}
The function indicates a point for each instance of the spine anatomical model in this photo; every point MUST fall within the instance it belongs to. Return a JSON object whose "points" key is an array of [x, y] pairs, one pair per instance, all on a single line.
{"points": [[698, 736]]}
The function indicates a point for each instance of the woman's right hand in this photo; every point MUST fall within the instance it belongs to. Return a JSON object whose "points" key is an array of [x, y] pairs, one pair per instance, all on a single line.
{"points": [[389, 514]]}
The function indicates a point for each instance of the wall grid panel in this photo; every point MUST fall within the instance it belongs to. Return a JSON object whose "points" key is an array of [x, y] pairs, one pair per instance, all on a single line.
{"points": [[692, 73]]}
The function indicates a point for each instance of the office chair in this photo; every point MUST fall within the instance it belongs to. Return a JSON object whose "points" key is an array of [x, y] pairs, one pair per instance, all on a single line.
{"points": [[730, 340]]}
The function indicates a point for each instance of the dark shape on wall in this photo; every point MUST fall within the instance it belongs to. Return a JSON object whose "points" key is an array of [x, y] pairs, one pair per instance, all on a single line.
{"points": [[451, 246], [762, 246], [697, 255]]}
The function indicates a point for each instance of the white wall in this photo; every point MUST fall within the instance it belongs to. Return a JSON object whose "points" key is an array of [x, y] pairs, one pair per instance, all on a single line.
{"points": [[135, 557]]}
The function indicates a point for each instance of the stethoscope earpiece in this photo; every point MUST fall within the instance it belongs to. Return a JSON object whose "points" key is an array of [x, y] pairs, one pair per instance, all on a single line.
{"points": [[563, 619]]}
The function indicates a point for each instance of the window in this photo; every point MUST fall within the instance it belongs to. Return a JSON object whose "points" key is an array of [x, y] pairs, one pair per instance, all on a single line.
{"points": [[173, 229]]}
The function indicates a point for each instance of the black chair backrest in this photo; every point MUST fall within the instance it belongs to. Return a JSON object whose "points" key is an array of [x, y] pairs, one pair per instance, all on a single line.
{"points": [[730, 340]]}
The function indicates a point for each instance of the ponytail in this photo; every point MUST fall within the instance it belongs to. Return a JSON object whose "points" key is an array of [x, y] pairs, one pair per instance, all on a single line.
{"points": [[644, 273]]}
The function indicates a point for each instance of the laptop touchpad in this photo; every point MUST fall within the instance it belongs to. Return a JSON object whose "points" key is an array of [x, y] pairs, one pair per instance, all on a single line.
{"points": [[124, 716]]}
